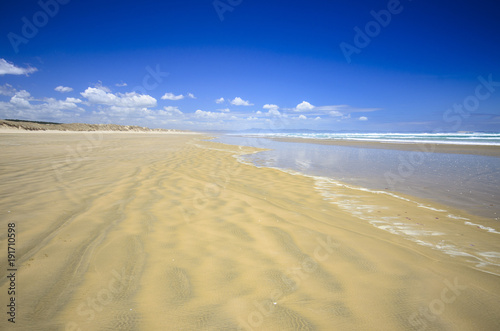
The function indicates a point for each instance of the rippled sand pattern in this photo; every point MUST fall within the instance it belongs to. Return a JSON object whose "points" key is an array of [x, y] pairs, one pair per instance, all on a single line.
{"points": [[171, 232]]}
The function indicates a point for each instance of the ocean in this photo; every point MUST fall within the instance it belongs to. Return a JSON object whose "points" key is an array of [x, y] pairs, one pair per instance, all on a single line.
{"points": [[471, 138]]}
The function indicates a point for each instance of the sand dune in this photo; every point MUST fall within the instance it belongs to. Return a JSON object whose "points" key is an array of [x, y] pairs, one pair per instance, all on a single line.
{"points": [[171, 232], [8, 126]]}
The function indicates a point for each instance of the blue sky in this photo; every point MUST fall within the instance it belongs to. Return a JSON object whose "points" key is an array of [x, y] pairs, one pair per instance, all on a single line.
{"points": [[238, 64]]}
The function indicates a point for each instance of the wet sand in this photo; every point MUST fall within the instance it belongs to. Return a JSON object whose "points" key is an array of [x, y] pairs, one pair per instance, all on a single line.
{"points": [[170, 232], [425, 147]]}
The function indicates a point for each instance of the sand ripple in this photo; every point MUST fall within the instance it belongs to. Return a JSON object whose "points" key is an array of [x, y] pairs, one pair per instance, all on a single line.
{"points": [[171, 232]]}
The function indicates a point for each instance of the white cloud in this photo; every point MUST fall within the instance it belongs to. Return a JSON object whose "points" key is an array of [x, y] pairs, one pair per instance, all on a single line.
{"points": [[171, 96], [7, 90], [102, 87], [127, 100], [335, 113], [23, 105], [170, 111], [191, 95], [251, 118], [7, 68], [128, 111], [317, 118], [332, 107], [258, 112], [68, 104], [302, 117], [208, 114], [220, 100], [270, 106], [346, 109], [73, 100], [274, 112], [21, 99], [304, 106], [63, 89], [224, 110], [240, 102], [121, 84]]}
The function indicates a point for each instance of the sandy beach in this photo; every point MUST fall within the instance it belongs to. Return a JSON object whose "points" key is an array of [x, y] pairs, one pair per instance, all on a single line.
{"points": [[426, 147], [151, 231]]}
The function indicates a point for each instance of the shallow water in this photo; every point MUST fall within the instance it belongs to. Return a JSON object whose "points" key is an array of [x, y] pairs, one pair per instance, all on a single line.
{"points": [[469, 182]]}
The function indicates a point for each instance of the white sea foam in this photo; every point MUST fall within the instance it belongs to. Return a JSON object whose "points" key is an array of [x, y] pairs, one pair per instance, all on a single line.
{"points": [[489, 229], [416, 233], [412, 138], [457, 217], [430, 208]]}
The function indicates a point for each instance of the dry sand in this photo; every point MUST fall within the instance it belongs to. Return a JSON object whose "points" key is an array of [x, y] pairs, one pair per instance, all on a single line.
{"points": [[171, 232]]}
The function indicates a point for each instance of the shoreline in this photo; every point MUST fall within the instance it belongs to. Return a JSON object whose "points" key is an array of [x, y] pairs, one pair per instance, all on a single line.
{"points": [[437, 180], [484, 150]]}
